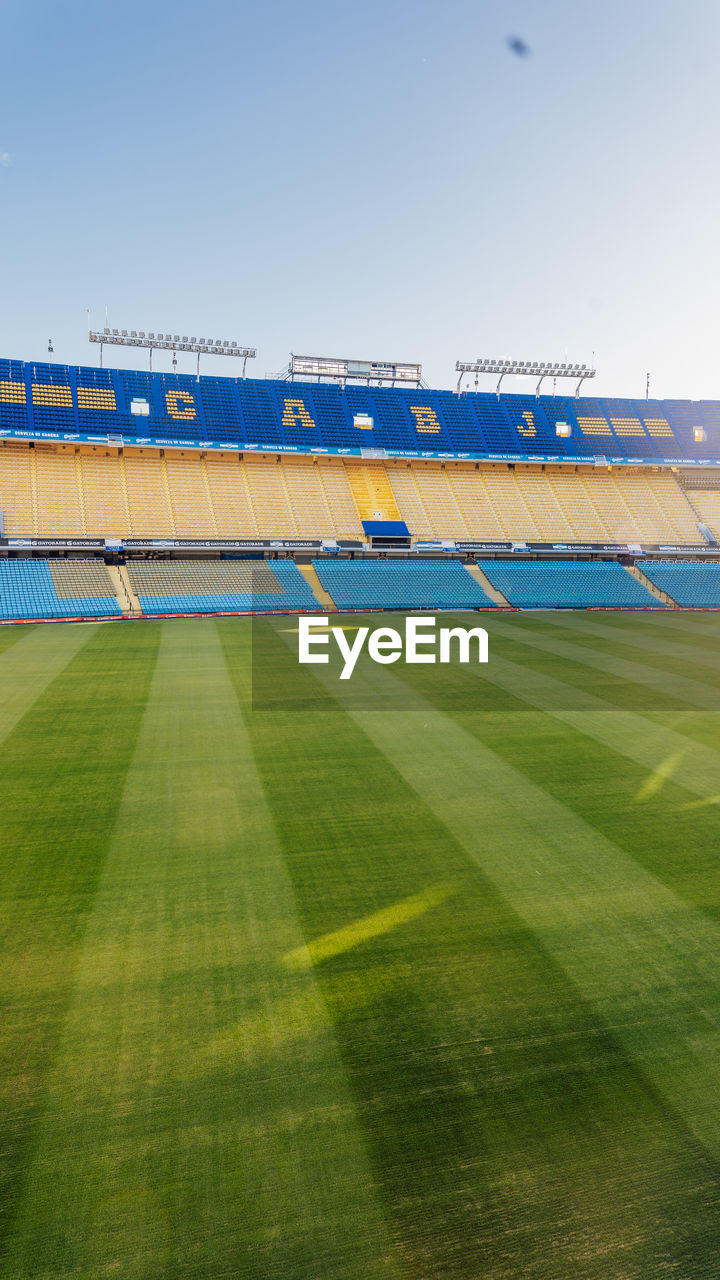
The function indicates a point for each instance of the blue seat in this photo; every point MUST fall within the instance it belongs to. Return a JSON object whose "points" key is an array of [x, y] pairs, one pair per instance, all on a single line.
{"points": [[401, 584], [60, 399], [694, 584], [28, 589], [567, 584], [237, 586]]}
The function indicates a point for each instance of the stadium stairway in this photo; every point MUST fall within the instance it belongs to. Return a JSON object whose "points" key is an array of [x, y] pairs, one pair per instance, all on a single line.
{"points": [[371, 491], [121, 593], [126, 597], [318, 590], [660, 595], [476, 572]]}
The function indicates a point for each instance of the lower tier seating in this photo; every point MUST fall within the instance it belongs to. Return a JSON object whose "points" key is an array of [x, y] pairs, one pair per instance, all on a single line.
{"points": [[56, 589], [567, 584], [401, 584], [692, 584], [219, 586]]}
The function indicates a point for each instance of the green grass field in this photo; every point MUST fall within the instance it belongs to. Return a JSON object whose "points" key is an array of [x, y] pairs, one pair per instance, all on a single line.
{"points": [[412, 977]]}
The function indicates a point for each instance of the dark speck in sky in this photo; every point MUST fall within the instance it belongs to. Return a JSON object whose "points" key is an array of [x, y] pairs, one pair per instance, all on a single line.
{"points": [[518, 47]]}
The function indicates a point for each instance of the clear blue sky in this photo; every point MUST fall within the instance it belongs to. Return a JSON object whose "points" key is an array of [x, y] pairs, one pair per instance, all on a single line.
{"points": [[385, 180]]}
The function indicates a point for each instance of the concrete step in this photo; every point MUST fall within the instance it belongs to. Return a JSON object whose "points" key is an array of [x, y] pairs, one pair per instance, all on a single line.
{"points": [[476, 572], [310, 575], [650, 586], [119, 588], [126, 598]]}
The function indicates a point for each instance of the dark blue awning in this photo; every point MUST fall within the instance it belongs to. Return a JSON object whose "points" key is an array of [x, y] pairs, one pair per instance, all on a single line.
{"points": [[386, 528]]}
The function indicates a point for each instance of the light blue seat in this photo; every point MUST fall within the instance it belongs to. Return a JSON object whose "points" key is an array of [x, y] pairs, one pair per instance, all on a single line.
{"points": [[277, 586], [27, 590], [695, 584], [567, 584], [401, 584]]}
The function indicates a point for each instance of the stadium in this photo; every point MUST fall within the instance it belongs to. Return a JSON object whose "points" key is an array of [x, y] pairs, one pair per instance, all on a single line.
{"points": [[511, 1058], [359, 895], [353, 491]]}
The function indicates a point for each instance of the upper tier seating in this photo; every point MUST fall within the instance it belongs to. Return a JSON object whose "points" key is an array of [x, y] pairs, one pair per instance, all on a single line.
{"points": [[136, 405], [401, 584], [219, 586], [567, 584], [695, 585], [56, 589]]}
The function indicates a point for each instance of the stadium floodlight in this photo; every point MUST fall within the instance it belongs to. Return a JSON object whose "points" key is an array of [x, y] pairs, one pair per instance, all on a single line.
{"points": [[538, 368], [342, 370], [170, 342]]}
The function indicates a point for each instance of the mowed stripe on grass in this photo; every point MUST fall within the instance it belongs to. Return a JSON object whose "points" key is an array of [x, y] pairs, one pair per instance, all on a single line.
{"points": [[617, 930], [349, 992], [197, 1119], [651, 790], [581, 690], [63, 769], [503, 1080], [619, 933], [32, 657]]}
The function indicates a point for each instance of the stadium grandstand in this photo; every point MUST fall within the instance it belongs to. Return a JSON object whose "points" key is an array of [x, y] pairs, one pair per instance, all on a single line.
{"points": [[126, 493]]}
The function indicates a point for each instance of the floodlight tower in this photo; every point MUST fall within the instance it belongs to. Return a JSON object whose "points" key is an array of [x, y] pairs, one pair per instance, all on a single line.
{"points": [[171, 342], [540, 369]]}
